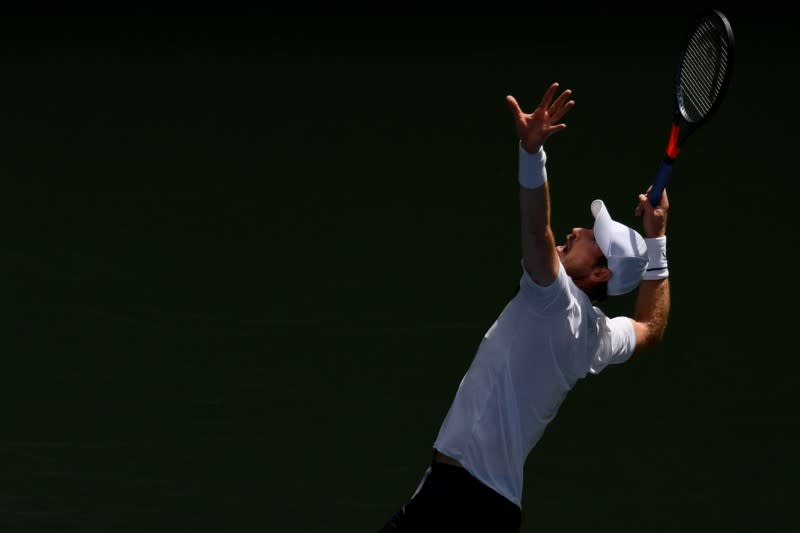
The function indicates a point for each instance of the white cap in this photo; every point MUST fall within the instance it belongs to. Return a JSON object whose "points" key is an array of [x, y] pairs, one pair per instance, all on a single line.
{"points": [[624, 248]]}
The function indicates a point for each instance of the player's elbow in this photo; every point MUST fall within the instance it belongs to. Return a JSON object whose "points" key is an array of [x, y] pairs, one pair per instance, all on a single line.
{"points": [[649, 334], [656, 336]]}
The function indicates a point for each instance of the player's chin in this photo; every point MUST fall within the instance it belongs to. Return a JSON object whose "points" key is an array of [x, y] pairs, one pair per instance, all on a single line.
{"points": [[560, 252]]}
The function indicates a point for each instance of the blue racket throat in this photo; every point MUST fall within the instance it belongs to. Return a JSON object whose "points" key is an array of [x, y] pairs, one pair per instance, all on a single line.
{"points": [[660, 181]]}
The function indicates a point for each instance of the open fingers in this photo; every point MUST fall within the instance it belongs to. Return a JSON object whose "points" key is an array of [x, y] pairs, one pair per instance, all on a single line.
{"points": [[514, 106], [560, 101], [548, 96], [556, 127], [561, 111]]}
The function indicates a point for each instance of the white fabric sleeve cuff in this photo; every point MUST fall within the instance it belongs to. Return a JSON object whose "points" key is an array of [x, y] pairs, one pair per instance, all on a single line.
{"points": [[532, 171]]}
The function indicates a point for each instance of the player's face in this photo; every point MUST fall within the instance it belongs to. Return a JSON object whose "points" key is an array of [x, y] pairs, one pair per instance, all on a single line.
{"points": [[580, 253]]}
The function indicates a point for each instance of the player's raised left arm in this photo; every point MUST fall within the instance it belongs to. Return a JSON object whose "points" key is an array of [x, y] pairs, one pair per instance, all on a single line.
{"points": [[538, 243]]}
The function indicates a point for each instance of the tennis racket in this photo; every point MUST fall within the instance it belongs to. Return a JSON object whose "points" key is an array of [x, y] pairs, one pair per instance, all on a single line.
{"points": [[704, 71]]}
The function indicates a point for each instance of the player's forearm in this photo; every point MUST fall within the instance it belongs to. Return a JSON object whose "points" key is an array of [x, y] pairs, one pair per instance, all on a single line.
{"points": [[534, 194], [534, 207], [652, 308], [538, 243]]}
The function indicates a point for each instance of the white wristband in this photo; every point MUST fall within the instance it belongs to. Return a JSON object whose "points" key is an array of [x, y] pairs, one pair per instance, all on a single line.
{"points": [[532, 172], [657, 257]]}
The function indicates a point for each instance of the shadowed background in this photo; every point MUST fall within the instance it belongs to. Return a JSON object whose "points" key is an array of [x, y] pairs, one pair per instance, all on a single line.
{"points": [[247, 258]]}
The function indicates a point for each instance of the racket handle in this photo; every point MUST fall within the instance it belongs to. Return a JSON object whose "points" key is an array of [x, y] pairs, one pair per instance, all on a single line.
{"points": [[660, 181]]}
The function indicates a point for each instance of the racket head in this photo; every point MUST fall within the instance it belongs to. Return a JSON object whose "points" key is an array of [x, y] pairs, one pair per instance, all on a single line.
{"points": [[705, 67]]}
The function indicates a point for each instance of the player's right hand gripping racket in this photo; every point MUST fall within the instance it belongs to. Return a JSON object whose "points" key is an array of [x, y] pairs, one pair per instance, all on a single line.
{"points": [[704, 71]]}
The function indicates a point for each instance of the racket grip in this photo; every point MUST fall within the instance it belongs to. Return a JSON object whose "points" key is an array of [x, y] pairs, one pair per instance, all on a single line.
{"points": [[660, 181]]}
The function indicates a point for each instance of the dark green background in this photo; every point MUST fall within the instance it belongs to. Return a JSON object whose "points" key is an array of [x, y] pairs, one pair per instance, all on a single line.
{"points": [[246, 259]]}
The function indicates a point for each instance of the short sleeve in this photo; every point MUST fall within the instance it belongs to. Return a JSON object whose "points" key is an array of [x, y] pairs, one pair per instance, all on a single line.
{"points": [[617, 341], [554, 298]]}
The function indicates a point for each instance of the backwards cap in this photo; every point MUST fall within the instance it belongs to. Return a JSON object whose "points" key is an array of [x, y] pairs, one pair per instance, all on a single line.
{"points": [[624, 248]]}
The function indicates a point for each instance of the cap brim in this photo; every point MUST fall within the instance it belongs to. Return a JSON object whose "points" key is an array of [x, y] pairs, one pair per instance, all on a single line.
{"points": [[603, 226], [624, 248]]}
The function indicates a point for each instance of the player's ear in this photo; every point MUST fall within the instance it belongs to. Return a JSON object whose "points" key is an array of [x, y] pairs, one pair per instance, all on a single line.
{"points": [[601, 274]]}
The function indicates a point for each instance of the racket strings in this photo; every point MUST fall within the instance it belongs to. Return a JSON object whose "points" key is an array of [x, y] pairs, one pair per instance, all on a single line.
{"points": [[703, 70]]}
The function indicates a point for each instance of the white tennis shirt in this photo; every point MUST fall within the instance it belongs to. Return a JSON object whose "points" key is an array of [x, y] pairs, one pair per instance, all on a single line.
{"points": [[544, 341]]}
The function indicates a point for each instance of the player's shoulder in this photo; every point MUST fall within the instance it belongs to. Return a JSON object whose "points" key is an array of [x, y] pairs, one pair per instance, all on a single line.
{"points": [[557, 296]]}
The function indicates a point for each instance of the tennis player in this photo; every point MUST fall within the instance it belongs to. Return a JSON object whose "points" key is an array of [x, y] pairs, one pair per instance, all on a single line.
{"points": [[547, 337]]}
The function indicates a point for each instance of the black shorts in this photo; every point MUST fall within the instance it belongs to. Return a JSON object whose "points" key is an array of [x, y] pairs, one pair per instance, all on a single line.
{"points": [[451, 499]]}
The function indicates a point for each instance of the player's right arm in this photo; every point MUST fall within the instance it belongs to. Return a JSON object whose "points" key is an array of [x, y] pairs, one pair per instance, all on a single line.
{"points": [[653, 299], [538, 243]]}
